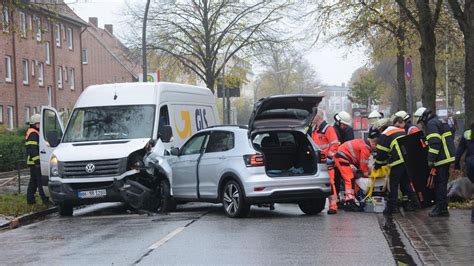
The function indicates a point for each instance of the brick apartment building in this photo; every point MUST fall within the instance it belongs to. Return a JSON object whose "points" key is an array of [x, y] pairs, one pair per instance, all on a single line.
{"points": [[105, 59], [41, 59]]}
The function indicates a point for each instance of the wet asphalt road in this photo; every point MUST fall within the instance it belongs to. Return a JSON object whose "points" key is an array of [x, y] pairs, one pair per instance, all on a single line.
{"points": [[198, 234]]}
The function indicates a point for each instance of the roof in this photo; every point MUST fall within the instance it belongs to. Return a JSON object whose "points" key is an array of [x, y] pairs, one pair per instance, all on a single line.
{"points": [[57, 10], [116, 48]]}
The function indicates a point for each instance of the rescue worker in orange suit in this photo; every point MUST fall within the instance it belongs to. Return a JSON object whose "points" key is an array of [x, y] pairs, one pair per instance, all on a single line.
{"points": [[33, 161], [325, 137], [388, 152], [344, 131], [353, 154], [441, 151]]}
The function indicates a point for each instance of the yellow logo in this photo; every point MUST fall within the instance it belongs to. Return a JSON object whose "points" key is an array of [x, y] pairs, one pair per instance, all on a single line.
{"points": [[186, 132]]}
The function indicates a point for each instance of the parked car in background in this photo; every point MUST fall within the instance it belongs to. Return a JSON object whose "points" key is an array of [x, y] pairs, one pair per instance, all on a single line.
{"points": [[271, 161]]}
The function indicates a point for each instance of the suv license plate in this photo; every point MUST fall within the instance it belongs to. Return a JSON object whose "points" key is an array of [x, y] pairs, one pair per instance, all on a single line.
{"points": [[100, 193]]}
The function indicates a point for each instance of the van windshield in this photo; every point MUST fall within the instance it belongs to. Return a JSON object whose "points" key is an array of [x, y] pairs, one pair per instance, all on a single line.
{"points": [[110, 123]]}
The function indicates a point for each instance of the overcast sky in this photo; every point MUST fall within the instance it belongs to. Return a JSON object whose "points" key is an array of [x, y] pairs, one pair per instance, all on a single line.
{"points": [[334, 66]]}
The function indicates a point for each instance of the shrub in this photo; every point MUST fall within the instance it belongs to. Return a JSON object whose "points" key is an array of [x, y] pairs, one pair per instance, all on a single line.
{"points": [[12, 149]]}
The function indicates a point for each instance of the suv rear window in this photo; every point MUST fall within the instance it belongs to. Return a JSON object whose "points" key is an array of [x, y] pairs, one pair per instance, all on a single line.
{"points": [[280, 139]]}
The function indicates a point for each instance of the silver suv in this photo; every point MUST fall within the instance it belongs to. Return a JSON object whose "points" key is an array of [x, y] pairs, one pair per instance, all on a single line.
{"points": [[271, 161]]}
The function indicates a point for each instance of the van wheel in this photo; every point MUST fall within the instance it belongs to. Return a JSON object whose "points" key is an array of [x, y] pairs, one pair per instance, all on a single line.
{"points": [[312, 206], [167, 203], [65, 209], [234, 201]]}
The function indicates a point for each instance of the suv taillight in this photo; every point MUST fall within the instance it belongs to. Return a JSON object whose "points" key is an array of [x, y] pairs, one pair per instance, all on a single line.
{"points": [[252, 160]]}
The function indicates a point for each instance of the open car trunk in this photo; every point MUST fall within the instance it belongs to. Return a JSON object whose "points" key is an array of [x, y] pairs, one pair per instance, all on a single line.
{"points": [[286, 153]]}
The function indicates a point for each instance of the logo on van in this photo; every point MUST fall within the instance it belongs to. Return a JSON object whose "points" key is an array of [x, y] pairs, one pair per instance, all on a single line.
{"points": [[186, 132], [90, 168]]}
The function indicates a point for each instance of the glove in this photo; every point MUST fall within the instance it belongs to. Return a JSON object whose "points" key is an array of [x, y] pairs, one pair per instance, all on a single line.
{"points": [[431, 164], [329, 160]]}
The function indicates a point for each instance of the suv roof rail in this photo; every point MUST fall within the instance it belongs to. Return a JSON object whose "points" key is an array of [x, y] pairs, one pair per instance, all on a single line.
{"points": [[230, 125]]}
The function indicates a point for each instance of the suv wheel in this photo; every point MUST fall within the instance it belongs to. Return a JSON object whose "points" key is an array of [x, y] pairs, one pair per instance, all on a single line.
{"points": [[312, 206], [233, 200], [65, 209], [167, 204]]}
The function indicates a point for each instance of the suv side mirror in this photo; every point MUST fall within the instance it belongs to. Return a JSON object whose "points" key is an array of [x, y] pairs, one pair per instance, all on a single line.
{"points": [[165, 133], [174, 151]]}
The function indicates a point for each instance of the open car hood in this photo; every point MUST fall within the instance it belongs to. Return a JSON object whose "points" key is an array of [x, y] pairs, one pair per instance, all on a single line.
{"points": [[283, 112]]}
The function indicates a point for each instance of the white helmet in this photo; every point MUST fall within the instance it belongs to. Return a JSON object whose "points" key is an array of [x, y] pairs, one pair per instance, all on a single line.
{"points": [[381, 123], [36, 118], [374, 116], [344, 118], [418, 113], [403, 115]]}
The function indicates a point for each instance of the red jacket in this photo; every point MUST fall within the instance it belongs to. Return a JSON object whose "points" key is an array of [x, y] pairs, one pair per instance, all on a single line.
{"points": [[326, 138], [357, 152]]}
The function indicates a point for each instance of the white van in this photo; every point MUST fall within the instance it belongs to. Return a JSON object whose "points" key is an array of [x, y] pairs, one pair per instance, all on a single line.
{"points": [[100, 155]]}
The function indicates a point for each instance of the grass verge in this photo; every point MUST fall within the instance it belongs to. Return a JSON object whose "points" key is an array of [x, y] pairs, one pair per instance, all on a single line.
{"points": [[15, 205], [460, 205]]}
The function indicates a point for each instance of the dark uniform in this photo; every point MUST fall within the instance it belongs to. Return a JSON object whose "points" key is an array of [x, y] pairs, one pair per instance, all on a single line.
{"points": [[388, 152], [440, 155], [33, 161], [466, 144]]}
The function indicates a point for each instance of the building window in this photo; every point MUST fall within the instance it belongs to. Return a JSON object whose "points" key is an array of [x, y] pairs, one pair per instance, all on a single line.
{"points": [[66, 74], [48, 54], [1, 114], [35, 110], [69, 38], [30, 23], [85, 56], [50, 96], [33, 66], [22, 24], [26, 74], [38, 28], [27, 114], [72, 78], [58, 35], [60, 77], [8, 68], [5, 19], [40, 74], [10, 117]]}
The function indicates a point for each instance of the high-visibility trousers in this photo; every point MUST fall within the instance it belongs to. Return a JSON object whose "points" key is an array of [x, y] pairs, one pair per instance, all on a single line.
{"points": [[344, 167], [333, 196]]}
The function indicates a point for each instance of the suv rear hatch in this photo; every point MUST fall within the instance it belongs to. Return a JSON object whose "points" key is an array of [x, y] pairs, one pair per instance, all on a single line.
{"points": [[277, 130]]}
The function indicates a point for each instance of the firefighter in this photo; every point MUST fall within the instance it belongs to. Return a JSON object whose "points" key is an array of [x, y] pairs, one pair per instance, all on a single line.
{"points": [[33, 161], [374, 116], [440, 142], [353, 154], [342, 125], [325, 138], [388, 152], [466, 145]]}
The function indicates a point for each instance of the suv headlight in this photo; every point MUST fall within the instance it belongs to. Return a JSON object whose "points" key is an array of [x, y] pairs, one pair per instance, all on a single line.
{"points": [[53, 167]]}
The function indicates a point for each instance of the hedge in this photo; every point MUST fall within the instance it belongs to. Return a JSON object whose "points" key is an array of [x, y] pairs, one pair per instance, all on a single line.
{"points": [[12, 149]]}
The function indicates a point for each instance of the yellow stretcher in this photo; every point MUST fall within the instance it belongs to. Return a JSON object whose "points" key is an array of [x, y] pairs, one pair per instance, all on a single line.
{"points": [[375, 174]]}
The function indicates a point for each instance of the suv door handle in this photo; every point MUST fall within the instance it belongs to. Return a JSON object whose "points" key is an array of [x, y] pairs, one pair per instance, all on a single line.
{"points": [[43, 151], [222, 157]]}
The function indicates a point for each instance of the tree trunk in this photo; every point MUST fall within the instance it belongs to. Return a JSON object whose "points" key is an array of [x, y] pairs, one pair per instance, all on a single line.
{"points": [[469, 76], [428, 69], [402, 88]]}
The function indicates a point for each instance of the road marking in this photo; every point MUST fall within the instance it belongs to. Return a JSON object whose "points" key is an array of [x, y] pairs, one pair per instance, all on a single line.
{"points": [[166, 238]]}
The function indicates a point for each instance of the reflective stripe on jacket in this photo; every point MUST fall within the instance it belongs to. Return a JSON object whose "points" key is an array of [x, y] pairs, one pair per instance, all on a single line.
{"points": [[440, 142], [466, 144], [32, 146], [357, 152], [325, 138], [388, 150]]}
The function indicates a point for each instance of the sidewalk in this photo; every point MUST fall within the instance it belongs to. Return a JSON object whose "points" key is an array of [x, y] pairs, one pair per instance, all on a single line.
{"points": [[445, 241]]}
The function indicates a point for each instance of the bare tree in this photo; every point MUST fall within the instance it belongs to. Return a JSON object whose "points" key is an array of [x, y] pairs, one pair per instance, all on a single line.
{"points": [[204, 35]]}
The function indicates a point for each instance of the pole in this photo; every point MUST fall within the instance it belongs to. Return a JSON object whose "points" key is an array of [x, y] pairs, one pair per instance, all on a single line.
{"points": [[224, 102], [145, 18], [446, 78], [410, 97], [19, 176]]}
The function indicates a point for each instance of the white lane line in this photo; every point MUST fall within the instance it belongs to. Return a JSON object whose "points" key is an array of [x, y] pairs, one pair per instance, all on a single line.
{"points": [[166, 238]]}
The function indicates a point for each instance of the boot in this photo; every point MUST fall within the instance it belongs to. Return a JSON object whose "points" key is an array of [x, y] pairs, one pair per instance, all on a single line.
{"points": [[412, 205], [390, 210], [332, 211], [351, 206], [437, 212]]}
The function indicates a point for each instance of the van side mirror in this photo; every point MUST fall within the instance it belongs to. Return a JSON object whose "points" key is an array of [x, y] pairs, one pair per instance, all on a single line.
{"points": [[174, 151], [52, 137], [165, 133]]}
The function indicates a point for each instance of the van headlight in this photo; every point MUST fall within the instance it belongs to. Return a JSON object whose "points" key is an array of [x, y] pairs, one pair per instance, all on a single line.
{"points": [[53, 167]]}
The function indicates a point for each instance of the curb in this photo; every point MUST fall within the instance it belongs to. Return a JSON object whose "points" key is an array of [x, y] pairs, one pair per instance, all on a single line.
{"points": [[28, 218]]}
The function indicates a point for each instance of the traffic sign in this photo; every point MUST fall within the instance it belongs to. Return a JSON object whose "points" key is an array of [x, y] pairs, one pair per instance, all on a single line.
{"points": [[408, 69]]}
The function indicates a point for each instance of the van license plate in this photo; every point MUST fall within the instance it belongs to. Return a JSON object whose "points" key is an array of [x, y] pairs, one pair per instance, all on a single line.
{"points": [[100, 193]]}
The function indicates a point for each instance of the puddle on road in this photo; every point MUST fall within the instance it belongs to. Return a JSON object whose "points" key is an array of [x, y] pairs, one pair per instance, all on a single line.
{"points": [[399, 250]]}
